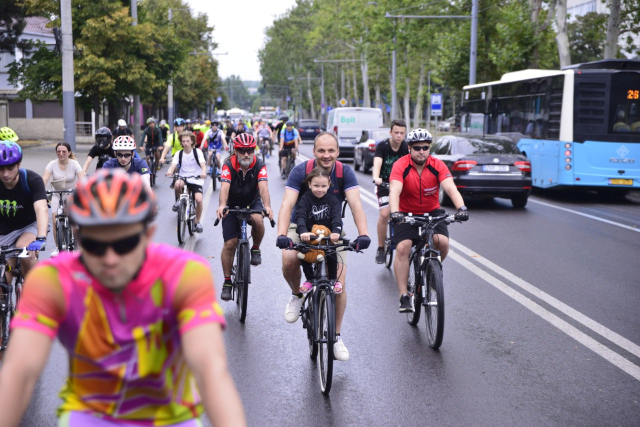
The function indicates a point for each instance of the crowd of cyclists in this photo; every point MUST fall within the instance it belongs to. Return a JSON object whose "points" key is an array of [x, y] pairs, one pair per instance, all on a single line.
{"points": [[140, 320]]}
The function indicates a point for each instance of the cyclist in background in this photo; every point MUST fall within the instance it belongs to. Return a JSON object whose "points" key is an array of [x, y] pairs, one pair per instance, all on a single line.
{"points": [[23, 203], [414, 188], [197, 131], [164, 128], [278, 129], [387, 152], [122, 130], [215, 141], [264, 132], [289, 140], [243, 183], [139, 320], [102, 149], [192, 163], [64, 173], [152, 141], [173, 142], [125, 148]]}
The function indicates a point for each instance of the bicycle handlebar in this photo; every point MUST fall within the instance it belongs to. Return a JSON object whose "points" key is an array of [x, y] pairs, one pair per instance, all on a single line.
{"points": [[305, 247], [430, 220], [5, 252], [383, 184], [59, 191], [246, 211]]}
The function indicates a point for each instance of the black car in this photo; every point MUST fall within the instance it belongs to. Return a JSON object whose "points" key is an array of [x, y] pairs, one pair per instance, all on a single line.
{"points": [[308, 129], [366, 147], [485, 167]]}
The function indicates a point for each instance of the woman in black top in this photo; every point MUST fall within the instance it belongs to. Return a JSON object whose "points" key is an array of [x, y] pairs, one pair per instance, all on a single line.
{"points": [[317, 207]]}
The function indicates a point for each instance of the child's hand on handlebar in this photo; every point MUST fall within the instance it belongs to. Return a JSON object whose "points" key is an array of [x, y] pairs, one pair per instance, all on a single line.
{"points": [[335, 237], [305, 237]]}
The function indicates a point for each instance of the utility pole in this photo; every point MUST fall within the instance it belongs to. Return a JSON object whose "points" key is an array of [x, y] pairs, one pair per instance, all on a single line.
{"points": [[474, 42], [394, 76], [323, 106], [68, 91], [136, 98]]}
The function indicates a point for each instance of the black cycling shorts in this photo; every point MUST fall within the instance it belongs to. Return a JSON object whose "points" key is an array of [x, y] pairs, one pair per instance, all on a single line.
{"points": [[194, 188], [231, 224], [286, 150], [382, 193], [406, 231], [149, 148]]}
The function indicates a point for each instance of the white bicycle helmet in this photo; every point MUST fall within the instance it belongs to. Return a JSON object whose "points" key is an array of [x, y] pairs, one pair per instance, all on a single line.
{"points": [[124, 142], [122, 123], [419, 135]]}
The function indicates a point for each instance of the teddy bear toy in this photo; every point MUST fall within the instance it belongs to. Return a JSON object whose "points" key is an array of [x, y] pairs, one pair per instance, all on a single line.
{"points": [[315, 255]]}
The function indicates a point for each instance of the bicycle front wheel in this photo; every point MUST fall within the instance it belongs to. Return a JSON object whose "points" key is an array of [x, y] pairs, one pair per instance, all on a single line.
{"points": [[308, 323], [413, 288], [434, 303], [154, 169], [5, 320], [191, 218], [60, 235], [327, 337], [244, 279], [182, 222]]}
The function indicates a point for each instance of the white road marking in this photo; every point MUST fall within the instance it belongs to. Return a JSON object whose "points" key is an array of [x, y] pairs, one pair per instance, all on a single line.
{"points": [[191, 242], [617, 224], [593, 345]]}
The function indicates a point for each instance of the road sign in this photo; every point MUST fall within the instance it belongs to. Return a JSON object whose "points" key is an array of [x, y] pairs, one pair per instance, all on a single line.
{"points": [[343, 102], [219, 99], [323, 105], [436, 104]]}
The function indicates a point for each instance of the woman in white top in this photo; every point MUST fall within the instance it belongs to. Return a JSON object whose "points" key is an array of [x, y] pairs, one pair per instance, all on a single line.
{"points": [[64, 174]]}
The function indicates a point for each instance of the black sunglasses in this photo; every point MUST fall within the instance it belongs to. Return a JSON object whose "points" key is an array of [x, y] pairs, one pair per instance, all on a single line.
{"points": [[245, 150], [121, 247], [125, 155], [421, 148]]}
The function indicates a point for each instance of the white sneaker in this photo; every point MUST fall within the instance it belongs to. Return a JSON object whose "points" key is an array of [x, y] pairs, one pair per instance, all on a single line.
{"points": [[340, 351], [54, 253], [292, 311]]}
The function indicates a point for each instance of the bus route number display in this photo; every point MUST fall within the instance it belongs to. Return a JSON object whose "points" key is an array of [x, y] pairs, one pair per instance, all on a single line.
{"points": [[633, 94]]}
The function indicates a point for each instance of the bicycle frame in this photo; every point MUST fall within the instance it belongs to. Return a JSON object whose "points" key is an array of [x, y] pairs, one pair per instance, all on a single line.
{"points": [[61, 217], [7, 307]]}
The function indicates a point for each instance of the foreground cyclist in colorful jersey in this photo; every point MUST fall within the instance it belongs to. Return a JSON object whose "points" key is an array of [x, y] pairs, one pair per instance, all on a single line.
{"points": [[414, 187], [139, 320]]}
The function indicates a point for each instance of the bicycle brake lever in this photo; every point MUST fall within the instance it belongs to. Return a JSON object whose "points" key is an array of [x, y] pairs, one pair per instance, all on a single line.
{"points": [[23, 254]]}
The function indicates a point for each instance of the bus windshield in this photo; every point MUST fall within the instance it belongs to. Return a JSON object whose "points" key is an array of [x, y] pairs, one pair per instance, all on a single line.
{"points": [[625, 104]]}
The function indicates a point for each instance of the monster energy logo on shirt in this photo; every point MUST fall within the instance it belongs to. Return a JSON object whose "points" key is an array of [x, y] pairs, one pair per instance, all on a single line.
{"points": [[387, 166], [8, 206]]}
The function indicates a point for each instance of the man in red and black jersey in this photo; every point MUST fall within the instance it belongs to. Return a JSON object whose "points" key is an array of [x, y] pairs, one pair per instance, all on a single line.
{"points": [[414, 186], [244, 183]]}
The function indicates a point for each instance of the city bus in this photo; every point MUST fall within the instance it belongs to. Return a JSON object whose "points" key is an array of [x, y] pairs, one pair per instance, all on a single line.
{"points": [[579, 127]]}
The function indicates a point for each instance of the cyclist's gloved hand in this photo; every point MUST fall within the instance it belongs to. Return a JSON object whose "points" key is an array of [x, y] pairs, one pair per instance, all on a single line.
{"points": [[397, 217], [284, 242], [362, 242], [463, 214], [36, 245]]}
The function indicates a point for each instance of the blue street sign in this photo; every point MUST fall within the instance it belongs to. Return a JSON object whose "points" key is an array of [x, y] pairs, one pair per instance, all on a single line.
{"points": [[436, 104], [219, 99]]}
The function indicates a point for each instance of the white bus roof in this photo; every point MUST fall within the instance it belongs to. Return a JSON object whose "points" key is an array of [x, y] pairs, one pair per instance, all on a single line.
{"points": [[515, 76]]}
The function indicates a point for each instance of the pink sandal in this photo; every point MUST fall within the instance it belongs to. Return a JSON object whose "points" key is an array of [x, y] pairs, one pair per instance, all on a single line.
{"points": [[337, 288], [305, 287]]}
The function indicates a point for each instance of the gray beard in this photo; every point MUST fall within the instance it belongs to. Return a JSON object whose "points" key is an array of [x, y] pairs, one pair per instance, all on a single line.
{"points": [[246, 162]]}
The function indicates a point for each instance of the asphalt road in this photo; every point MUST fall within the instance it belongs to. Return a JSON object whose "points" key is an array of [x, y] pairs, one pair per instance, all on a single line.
{"points": [[542, 323]]}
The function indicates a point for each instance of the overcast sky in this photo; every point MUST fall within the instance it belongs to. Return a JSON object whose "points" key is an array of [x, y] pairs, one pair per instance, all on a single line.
{"points": [[239, 30]]}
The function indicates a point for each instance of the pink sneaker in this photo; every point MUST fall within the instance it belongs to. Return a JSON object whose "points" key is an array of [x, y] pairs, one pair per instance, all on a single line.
{"points": [[337, 288], [306, 287]]}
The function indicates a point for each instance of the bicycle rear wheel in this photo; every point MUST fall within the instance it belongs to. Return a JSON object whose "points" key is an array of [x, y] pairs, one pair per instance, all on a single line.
{"points": [[434, 303], [327, 337], [413, 288], [5, 320], [244, 280], [182, 222]]}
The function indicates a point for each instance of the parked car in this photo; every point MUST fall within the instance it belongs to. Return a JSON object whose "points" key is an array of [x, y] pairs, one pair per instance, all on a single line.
{"points": [[485, 167], [347, 148], [366, 147], [308, 129]]}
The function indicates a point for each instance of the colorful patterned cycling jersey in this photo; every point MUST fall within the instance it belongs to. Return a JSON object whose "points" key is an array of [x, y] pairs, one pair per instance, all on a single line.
{"points": [[125, 360]]}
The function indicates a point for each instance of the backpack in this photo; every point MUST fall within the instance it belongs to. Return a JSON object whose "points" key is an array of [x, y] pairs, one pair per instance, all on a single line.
{"points": [[24, 182], [195, 155], [339, 177]]}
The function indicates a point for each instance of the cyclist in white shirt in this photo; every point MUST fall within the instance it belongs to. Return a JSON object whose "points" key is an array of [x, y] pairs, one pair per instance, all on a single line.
{"points": [[192, 163]]}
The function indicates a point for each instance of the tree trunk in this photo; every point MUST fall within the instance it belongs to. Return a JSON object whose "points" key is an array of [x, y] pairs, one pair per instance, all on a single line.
{"points": [[417, 115], [113, 114], [407, 91], [311, 105], [380, 104], [337, 95], [96, 108], [613, 30], [365, 82], [355, 85], [562, 37]]}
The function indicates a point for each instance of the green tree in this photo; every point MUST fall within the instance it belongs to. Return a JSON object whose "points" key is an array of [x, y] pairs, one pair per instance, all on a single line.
{"points": [[587, 37], [12, 23]]}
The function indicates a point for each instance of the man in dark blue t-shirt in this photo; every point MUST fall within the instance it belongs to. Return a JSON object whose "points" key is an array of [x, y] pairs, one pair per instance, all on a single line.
{"points": [[125, 147], [325, 151]]}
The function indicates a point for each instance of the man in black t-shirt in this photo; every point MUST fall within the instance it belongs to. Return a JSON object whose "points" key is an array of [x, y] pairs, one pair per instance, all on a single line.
{"points": [[387, 152], [23, 205], [152, 140], [102, 149]]}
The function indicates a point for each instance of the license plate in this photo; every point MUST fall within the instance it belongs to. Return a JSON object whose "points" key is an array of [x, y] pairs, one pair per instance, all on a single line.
{"points": [[309, 130], [495, 168], [618, 181]]}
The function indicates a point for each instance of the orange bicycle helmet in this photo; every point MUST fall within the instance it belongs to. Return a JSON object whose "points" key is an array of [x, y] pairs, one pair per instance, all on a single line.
{"points": [[244, 140], [110, 197]]}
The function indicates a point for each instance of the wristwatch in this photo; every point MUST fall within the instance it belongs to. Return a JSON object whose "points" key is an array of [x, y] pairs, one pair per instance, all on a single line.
{"points": [[41, 238]]}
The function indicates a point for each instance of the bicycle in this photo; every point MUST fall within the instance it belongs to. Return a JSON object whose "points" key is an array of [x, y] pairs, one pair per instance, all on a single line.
{"points": [[264, 148], [153, 166], [240, 272], [318, 310], [425, 285], [389, 244], [214, 168], [65, 240], [186, 210], [7, 304], [288, 165]]}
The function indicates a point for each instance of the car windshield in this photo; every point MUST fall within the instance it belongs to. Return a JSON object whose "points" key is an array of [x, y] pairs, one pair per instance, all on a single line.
{"points": [[379, 134], [486, 146]]}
